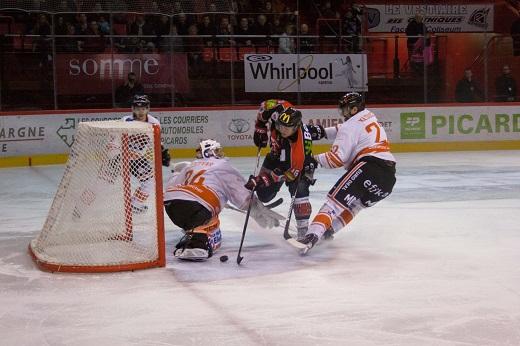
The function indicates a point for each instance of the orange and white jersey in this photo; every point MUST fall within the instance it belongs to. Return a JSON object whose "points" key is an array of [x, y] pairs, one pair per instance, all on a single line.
{"points": [[359, 136], [149, 119], [211, 182]]}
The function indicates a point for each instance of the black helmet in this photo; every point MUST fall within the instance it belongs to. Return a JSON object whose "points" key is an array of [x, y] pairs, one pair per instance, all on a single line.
{"points": [[351, 100], [290, 117], [141, 101]]}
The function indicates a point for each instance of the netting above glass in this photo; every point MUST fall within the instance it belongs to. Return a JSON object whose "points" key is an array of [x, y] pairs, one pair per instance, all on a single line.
{"points": [[169, 7]]}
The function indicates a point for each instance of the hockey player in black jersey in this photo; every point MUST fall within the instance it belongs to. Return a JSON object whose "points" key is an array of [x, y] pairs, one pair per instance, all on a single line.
{"points": [[290, 159]]}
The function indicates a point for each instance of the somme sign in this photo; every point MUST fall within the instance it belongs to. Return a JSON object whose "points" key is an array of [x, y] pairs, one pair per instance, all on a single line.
{"points": [[305, 72]]}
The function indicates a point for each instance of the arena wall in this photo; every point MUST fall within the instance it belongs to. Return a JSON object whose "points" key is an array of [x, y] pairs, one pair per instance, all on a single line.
{"points": [[45, 137]]}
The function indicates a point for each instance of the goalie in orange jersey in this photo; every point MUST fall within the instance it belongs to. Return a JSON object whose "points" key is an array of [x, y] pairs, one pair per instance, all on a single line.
{"points": [[196, 194]]}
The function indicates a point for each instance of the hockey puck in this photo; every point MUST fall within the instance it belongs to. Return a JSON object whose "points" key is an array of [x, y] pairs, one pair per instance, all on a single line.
{"points": [[223, 258]]}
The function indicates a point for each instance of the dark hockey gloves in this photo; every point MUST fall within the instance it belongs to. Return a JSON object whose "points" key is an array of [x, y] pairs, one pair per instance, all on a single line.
{"points": [[165, 156], [310, 164], [260, 181], [260, 136]]}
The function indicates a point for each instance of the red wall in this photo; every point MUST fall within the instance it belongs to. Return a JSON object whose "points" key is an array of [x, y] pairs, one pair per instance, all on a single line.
{"points": [[461, 49]]}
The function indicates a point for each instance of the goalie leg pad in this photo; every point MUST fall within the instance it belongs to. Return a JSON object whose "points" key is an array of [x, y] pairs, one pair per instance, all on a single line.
{"points": [[201, 243]]}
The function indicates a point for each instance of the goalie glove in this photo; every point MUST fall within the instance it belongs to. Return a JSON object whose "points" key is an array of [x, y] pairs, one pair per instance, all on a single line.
{"points": [[165, 156], [264, 217]]}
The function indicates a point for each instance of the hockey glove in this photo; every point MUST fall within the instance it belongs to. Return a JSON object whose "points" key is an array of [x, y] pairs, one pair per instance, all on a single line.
{"points": [[165, 156], [260, 136], [260, 181], [310, 164]]}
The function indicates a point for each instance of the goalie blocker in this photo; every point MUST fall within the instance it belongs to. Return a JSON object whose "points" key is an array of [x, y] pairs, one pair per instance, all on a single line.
{"points": [[195, 195]]}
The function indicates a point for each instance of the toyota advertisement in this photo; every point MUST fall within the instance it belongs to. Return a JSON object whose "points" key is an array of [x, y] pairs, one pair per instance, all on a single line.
{"points": [[305, 72], [79, 74]]}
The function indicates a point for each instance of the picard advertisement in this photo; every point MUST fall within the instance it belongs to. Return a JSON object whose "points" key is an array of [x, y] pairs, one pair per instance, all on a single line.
{"points": [[437, 18], [305, 72], [55, 133]]}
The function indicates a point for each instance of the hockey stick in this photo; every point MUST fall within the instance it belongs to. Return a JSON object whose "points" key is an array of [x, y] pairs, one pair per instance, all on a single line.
{"points": [[268, 206], [240, 258]]}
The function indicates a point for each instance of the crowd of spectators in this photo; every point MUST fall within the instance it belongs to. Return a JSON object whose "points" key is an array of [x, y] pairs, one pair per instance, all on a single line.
{"points": [[190, 32]]}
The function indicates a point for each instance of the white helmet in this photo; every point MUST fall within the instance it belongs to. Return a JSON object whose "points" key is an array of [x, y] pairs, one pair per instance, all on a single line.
{"points": [[208, 148]]}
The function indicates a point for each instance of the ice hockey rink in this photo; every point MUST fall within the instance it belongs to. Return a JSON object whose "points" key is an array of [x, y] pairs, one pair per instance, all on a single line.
{"points": [[437, 263]]}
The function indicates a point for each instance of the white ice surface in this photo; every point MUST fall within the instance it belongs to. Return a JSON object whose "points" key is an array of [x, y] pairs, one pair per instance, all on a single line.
{"points": [[437, 263]]}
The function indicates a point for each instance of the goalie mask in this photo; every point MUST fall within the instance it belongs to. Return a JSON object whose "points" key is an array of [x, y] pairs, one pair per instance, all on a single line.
{"points": [[209, 148], [140, 107], [347, 104]]}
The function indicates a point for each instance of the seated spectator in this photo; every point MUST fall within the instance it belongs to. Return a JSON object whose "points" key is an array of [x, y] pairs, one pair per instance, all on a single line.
{"points": [[104, 26], [352, 28], [68, 44], [207, 27], [81, 24], [142, 28], [243, 29], [277, 27], [225, 28], [182, 23], [286, 43], [467, 89], [307, 43], [194, 45], [267, 11], [60, 28], [505, 86], [162, 28], [262, 27], [174, 43], [125, 93], [93, 44]]}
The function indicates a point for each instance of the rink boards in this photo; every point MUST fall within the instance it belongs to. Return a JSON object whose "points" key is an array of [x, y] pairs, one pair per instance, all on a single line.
{"points": [[45, 137]]}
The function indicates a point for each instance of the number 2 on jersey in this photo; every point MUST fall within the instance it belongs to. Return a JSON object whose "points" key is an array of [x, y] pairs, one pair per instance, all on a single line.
{"points": [[378, 130]]}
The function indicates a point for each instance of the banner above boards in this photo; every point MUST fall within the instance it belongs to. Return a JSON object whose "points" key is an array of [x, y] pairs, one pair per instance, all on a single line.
{"points": [[437, 18], [305, 72]]}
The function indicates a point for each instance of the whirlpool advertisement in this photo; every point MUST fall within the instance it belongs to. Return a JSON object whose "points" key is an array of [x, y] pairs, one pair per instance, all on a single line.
{"points": [[305, 72]]}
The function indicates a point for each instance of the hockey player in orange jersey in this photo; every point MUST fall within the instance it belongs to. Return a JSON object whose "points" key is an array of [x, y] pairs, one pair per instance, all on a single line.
{"points": [[289, 158], [195, 195], [140, 165], [361, 147]]}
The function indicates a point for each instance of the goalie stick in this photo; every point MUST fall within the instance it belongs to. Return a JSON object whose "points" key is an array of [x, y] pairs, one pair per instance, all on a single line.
{"points": [[268, 206]]}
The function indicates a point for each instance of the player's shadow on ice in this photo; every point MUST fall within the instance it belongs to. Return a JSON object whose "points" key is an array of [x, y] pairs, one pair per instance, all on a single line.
{"points": [[265, 252]]}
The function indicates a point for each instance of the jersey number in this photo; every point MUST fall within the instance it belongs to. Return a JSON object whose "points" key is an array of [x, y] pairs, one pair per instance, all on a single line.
{"points": [[378, 130], [196, 179]]}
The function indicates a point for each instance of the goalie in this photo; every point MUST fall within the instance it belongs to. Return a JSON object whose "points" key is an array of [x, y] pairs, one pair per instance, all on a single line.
{"points": [[195, 195]]}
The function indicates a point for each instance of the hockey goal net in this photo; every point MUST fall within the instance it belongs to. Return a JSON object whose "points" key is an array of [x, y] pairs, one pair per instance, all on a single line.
{"points": [[107, 214]]}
